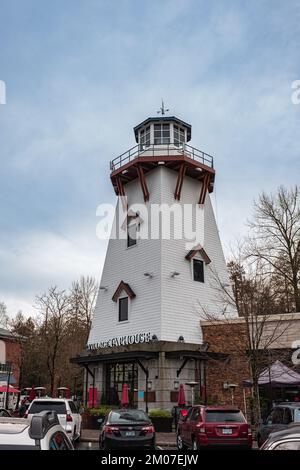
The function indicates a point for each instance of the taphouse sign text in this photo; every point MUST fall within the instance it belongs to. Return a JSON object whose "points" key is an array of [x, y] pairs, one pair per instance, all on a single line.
{"points": [[121, 341]]}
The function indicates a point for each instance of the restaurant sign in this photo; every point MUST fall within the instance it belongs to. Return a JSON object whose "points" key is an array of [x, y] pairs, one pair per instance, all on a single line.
{"points": [[137, 338]]}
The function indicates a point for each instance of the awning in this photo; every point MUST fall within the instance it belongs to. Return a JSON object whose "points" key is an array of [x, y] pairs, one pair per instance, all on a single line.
{"points": [[277, 375], [201, 355], [3, 389], [114, 357]]}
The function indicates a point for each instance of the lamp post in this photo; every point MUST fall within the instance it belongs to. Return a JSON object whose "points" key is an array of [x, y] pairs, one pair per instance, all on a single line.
{"points": [[192, 385], [7, 386]]}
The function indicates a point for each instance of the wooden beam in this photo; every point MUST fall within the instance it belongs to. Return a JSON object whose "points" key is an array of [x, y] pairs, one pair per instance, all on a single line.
{"points": [[143, 183], [204, 188], [121, 192], [179, 181]]}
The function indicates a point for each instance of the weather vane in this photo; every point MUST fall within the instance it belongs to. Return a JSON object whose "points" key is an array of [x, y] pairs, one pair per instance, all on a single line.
{"points": [[162, 109]]}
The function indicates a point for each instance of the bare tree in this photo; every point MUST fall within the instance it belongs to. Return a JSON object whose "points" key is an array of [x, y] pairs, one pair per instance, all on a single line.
{"points": [[54, 309], [275, 237], [260, 330], [82, 301], [24, 331], [4, 319]]}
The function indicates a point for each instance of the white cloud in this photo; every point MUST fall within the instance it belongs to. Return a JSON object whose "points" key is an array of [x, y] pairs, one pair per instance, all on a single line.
{"points": [[44, 259]]}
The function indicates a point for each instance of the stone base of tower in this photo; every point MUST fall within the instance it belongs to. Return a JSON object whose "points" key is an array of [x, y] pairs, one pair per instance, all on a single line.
{"points": [[152, 371]]}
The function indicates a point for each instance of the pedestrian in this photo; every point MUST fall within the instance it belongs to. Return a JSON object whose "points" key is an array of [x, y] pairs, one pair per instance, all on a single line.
{"points": [[23, 408]]}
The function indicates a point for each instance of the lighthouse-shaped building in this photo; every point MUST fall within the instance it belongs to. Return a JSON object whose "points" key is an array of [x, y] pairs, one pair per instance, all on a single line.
{"points": [[164, 270]]}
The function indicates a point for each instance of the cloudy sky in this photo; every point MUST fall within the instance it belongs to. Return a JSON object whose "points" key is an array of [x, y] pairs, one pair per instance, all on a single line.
{"points": [[81, 73]]}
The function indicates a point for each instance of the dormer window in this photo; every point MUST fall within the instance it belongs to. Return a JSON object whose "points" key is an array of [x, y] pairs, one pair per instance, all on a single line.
{"points": [[161, 134], [123, 296], [198, 270], [123, 309]]}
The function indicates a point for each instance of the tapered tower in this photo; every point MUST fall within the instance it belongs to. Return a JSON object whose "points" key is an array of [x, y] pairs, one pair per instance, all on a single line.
{"points": [[164, 267]]}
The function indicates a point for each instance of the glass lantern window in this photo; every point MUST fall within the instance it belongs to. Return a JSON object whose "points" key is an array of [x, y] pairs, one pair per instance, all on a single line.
{"points": [[179, 135], [161, 134]]}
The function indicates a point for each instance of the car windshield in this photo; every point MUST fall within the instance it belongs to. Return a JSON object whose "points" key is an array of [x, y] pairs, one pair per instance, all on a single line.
{"points": [[297, 415], [38, 406], [133, 416], [224, 416]]}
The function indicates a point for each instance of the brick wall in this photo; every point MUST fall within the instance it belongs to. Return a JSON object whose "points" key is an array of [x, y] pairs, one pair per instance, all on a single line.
{"points": [[229, 339], [13, 352]]}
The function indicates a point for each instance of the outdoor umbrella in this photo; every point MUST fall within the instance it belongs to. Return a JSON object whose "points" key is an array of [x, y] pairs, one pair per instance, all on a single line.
{"points": [[32, 394], [125, 398], [64, 392], [181, 396], [4, 388]]}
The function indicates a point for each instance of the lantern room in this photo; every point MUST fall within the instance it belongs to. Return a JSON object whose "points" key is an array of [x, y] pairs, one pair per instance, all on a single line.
{"points": [[164, 130], [163, 141]]}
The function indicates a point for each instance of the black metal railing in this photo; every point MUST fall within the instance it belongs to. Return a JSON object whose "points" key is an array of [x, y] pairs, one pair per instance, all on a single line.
{"points": [[161, 150], [5, 367]]}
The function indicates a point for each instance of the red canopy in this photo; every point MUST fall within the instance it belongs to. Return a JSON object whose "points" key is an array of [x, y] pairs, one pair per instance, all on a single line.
{"points": [[125, 398], [181, 396], [32, 394], [3, 388]]}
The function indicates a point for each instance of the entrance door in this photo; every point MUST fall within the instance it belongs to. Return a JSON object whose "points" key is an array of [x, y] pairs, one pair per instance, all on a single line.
{"points": [[116, 375]]}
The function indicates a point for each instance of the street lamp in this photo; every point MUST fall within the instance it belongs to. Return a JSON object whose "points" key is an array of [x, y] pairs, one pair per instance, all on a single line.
{"points": [[176, 385], [192, 385]]}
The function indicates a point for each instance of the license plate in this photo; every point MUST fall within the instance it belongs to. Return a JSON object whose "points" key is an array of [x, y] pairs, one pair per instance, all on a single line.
{"points": [[227, 431], [129, 433]]}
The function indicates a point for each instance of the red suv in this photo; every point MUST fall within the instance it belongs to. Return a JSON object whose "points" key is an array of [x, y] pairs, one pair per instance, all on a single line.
{"points": [[213, 426]]}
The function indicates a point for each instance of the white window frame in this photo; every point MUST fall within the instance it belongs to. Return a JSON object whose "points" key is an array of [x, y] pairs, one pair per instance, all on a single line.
{"points": [[123, 296], [199, 258], [143, 133], [161, 124], [132, 223], [180, 128]]}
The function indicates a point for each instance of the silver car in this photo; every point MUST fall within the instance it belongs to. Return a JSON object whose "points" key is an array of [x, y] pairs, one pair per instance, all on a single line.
{"points": [[66, 410], [43, 433]]}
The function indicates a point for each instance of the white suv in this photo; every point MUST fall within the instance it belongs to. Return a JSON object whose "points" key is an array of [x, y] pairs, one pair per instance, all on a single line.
{"points": [[66, 411], [43, 433]]}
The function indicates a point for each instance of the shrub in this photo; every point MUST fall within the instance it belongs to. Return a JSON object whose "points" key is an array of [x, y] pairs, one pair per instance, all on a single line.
{"points": [[101, 411], [157, 413]]}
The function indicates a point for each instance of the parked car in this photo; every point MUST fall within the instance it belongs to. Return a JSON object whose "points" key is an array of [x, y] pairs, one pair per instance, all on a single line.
{"points": [[43, 433], [288, 439], [67, 412], [4, 413], [213, 426], [279, 419], [127, 429]]}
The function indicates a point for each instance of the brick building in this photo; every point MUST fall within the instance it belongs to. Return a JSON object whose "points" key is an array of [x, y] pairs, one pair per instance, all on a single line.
{"points": [[10, 358], [279, 334]]}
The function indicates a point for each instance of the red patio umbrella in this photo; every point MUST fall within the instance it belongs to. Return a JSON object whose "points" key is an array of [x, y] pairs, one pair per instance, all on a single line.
{"points": [[181, 396], [32, 394], [125, 398], [4, 388]]}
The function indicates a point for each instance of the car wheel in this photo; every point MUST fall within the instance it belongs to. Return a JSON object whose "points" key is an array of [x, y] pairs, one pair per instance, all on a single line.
{"points": [[102, 445], [259, 440], [195, 444], [180, 444]]}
